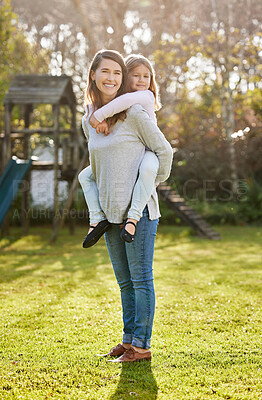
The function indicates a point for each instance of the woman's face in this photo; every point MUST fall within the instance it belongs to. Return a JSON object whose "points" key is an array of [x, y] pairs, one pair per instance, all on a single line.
{"points": [[108, 77], [139, 78]]}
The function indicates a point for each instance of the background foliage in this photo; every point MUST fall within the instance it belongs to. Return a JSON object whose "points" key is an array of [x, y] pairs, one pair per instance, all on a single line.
{"points": [[207, 56]]}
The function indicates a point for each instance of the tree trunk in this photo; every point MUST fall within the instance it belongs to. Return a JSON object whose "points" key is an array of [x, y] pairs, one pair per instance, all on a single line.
{"points": [[229, 125]]}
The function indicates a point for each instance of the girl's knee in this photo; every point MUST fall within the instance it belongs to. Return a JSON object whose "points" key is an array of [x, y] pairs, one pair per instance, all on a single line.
{"points": [[149, 170], [80, 177], [85, 175]]}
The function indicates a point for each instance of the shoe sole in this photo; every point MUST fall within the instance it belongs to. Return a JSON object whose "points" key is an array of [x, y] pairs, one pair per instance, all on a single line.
{"points": [[93, 241], [139, 359], [109, 355]]}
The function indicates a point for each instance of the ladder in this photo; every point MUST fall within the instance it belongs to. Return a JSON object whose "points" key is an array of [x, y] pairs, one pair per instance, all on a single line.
{"points": [[186, 213]]}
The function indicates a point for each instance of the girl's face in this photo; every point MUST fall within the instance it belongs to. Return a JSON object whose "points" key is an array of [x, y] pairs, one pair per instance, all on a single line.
{"points": [[139, 78], [108, 78]]}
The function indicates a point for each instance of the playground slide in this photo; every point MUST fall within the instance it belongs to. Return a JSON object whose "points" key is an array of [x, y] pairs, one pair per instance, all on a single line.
{"points": [[10, 181]]}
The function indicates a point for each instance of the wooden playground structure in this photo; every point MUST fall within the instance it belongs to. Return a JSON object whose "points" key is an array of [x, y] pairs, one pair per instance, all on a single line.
{"points": [[26, 91]]}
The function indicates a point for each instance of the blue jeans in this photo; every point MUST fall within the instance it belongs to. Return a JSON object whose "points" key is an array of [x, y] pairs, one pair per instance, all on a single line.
{"points": [[133, 267]]}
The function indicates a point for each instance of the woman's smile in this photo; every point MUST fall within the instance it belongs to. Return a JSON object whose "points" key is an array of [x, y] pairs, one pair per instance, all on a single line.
{"points": [[109, 85]]}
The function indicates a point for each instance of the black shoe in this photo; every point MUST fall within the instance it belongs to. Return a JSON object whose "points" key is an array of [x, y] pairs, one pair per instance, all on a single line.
{"points": [[97, 232], [126, 236]]}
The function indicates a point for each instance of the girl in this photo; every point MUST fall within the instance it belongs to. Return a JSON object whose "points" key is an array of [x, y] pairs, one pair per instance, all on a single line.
{"points": [[141, 82], [115, 161]]}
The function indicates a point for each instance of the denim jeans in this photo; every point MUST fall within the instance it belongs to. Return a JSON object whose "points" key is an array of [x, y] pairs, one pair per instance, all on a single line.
{"points": [[133, 268]]}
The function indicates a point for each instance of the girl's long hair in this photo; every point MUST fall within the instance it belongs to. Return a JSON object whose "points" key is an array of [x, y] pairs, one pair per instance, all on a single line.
{"points": [[134, 60], [92, 93]]}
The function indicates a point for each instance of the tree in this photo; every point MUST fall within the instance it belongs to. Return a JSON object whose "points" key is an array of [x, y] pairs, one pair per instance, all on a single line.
{"points": [[72, 31], [16, 53], [228, 41], [206, 53]]}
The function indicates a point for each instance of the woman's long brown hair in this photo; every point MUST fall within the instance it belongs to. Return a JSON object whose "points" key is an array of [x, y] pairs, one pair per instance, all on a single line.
{"points": [[92, 93]]}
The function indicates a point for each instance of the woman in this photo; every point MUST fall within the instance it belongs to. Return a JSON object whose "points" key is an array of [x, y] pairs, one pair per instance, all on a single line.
{"points": [[115, 161]]}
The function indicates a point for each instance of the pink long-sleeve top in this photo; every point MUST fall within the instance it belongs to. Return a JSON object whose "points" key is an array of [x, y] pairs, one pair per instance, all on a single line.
{"points": [[143, 97]]}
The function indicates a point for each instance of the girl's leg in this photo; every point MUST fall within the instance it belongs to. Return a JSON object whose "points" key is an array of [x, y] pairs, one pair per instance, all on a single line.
{"points": [[140, 260], [90, 190], [143, 188], [117, 253]]}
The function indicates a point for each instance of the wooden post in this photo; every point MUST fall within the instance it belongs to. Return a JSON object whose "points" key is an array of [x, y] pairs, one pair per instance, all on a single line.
{"points": [[70, 198], [66, 154], [75, 157], [6, 155], [56, 193], [71, 216], [73, 122], [27, 179]]}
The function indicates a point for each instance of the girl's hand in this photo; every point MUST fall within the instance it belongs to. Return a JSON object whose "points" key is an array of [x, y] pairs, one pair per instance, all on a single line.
{"points": [[102, 128], [93, 121]]}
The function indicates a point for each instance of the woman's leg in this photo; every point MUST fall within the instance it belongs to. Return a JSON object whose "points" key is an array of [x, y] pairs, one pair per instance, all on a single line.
{"points": [[140, 260], [144, 185], [117, 253], [90, 191]]}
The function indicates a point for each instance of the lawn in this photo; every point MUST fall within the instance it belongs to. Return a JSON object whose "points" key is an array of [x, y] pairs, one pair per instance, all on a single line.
{"points": [[60, 306]]}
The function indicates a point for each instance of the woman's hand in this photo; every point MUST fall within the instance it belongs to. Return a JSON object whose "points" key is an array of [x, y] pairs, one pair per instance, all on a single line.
{"points": [[102, 127], [93, 121]]}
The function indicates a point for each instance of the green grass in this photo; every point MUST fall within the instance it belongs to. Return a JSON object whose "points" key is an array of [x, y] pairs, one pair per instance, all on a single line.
{"points": [[60, 306]]}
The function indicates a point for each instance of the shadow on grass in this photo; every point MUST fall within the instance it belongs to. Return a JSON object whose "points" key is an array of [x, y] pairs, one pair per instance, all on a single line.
{"points": [[25, 256], [136, 381]]}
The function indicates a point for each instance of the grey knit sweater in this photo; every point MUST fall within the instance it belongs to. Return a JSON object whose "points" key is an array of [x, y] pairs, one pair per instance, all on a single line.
{"points": [[115, 161]]}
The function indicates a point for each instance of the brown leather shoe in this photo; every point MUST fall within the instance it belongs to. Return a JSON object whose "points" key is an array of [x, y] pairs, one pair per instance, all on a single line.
{"points": [[114, 352], [132, 355]]}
